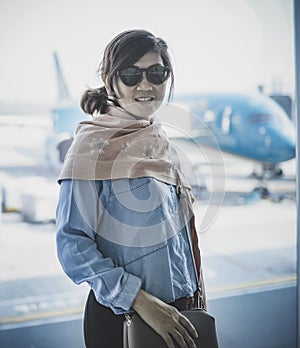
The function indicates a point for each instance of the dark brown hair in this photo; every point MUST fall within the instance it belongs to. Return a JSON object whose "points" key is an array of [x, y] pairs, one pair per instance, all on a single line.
{"points": [[123, 51]]}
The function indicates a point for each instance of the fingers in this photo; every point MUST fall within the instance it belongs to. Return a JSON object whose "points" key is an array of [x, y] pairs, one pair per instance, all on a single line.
{"points": [[169, 342], [179, 334], [184, 333], [183, 339], [188, 325]]}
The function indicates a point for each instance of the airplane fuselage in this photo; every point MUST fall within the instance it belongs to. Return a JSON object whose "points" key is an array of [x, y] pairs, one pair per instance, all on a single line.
{"points": [[252, 126]]}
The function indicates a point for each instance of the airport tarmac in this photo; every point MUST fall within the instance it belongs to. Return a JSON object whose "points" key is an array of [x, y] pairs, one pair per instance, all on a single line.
{"points": [[249, 247]]}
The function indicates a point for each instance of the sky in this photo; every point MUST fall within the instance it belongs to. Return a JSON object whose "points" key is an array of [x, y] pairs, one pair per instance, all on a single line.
{"points": [[216, 45]]}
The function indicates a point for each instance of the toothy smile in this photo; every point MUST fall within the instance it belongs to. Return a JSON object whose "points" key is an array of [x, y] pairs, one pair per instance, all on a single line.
{"points": [[143, 99]]}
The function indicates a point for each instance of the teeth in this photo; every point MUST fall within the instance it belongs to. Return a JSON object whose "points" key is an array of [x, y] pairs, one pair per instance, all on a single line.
{"points": [[143, 99]]}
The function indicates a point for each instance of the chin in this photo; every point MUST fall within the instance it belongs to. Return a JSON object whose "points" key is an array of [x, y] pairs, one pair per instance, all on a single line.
{"points": [[144, 111]]}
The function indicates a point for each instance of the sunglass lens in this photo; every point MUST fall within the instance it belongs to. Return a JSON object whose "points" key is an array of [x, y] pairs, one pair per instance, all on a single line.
{"points": [[130, 76], [157, 74]]}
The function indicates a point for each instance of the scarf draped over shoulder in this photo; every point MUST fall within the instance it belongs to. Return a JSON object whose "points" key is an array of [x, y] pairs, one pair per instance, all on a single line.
{"points": [[117, 145]]}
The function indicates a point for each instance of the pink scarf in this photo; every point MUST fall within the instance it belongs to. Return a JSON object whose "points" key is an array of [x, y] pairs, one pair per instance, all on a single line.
{"points": [[117, 145]]}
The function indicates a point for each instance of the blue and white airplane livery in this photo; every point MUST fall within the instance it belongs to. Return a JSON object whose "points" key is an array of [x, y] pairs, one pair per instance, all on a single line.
{"points": [[251, 126]]}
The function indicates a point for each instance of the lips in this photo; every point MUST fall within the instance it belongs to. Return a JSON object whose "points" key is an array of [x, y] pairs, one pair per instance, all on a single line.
{"points": [[143, 99]]}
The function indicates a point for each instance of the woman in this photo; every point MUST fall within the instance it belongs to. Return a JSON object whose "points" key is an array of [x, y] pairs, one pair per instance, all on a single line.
{"points": [[120, 225]]}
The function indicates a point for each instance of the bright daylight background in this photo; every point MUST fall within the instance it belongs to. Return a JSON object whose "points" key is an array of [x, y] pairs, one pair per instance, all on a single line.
{"points": [[216, 44]]}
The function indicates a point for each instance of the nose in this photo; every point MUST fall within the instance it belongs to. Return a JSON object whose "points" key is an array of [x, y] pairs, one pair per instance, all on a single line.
{"points": [[144, 85]]}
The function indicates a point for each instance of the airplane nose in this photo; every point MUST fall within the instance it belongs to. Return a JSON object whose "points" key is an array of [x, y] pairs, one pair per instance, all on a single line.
{"points": [[283, 147], [291, 148]]}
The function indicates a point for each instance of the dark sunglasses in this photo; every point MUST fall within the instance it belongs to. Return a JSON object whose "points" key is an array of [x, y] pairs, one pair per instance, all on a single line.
{"points": [[131, 76]]}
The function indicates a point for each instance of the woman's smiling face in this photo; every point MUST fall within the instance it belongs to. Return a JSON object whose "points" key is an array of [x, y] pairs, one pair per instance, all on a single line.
{"points": [[143, 99]]}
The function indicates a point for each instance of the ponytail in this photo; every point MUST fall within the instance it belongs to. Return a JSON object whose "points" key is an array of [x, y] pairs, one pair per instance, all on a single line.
{"points": [[94, 100]]}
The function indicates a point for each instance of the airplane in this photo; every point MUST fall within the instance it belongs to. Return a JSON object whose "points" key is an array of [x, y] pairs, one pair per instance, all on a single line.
{"points": [[251, 126]]}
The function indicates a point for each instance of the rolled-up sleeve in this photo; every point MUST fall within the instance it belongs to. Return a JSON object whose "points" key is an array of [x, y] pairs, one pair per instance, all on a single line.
{"points": [[77, 215]]}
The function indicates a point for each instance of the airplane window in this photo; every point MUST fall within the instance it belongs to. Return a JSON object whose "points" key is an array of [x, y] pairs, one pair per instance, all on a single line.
{"points": [[280, 117], [260, 118]]}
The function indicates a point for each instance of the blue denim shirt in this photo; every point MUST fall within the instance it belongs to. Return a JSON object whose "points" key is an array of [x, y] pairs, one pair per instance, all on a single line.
{"points": [[122, 235]]}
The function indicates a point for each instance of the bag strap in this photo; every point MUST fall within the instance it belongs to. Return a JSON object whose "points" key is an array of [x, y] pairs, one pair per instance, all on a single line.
{"points": [[186, 212]]}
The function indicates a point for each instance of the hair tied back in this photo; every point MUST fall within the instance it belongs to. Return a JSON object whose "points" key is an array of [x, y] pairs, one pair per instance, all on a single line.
{"points": [[94, 100]]}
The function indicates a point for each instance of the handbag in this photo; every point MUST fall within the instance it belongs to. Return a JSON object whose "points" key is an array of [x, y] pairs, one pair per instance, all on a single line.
{"points": [[138, 334]]}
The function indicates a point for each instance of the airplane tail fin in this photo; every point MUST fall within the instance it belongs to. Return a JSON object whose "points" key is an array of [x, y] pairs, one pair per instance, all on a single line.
{"points": [[62, 86]]}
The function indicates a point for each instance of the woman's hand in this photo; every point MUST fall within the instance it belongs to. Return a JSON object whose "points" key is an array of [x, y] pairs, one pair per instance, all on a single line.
{"points": [[166, 320]]}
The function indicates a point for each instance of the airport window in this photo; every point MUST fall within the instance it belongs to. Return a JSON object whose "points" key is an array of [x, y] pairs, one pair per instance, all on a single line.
{"points": [[239, 146]]}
